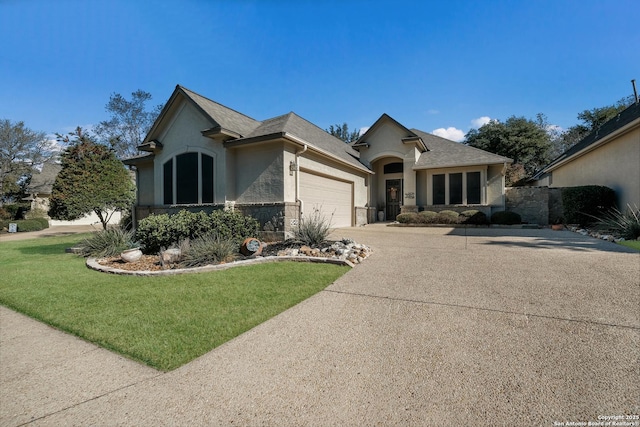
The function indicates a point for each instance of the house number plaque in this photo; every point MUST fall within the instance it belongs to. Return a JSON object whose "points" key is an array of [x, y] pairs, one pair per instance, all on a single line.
{"points": [[409, 195]]}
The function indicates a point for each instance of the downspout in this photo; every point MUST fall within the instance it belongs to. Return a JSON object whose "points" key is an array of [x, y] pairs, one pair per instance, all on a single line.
{"points": [[300, 202]]}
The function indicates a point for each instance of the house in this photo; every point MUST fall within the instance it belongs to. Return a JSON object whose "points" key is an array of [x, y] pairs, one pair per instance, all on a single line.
{"points": [[609, 156], [40, 189], [202, 155]]}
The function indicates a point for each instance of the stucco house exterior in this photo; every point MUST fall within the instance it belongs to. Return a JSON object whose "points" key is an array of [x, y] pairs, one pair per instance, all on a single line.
{"points": [[202, 155], [609, 156]]}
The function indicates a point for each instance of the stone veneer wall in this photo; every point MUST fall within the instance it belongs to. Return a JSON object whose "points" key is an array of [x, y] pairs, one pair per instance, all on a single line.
{"points": [[536, 205]]}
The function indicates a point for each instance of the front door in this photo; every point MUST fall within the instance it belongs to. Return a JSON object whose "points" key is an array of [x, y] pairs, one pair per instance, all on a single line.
{"points": [[394, 198]]}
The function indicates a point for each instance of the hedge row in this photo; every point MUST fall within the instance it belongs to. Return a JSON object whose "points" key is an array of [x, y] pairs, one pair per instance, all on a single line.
{"points": [[473, 217], [584, 205], [35, 224], [162, 231]]}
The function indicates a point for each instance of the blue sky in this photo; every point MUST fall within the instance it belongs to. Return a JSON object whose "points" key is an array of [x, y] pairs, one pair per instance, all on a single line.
{"points": [[429, 64]]}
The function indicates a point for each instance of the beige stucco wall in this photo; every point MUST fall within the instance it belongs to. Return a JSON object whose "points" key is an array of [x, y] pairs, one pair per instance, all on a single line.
{"points": [[323, 166], [183, 134], [259, 173], [386, 146], [495, 188], [614, 164], [145, 184]]}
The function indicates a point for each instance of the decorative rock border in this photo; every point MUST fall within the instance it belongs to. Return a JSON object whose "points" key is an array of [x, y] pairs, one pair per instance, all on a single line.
{"points": [[93, 264]]}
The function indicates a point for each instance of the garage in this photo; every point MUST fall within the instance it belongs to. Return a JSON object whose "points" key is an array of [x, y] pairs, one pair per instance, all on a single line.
{"points": [[329, 195]]}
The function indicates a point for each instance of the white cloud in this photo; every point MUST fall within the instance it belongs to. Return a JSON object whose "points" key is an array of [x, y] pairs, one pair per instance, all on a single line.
{"points": [[480, 121], [451, 133], [363, 130], [433, 111]]}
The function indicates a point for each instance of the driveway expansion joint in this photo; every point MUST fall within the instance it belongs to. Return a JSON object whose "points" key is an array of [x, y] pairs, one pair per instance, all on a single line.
{"points": [[494, 310]]}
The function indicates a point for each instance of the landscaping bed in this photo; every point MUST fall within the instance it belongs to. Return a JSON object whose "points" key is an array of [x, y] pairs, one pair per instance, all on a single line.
{"points": [[345, 250]]}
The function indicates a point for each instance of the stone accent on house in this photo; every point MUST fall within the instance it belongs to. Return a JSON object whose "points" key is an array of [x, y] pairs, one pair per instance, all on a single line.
{"points": [[362, 216], [536, 205]]}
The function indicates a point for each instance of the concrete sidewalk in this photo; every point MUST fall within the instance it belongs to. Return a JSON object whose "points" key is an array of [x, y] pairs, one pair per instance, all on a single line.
{"points": [[498, 327], [58, 230]]}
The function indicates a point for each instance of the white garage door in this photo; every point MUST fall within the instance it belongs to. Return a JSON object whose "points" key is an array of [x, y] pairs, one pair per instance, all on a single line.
{"points": [[329, 195]]}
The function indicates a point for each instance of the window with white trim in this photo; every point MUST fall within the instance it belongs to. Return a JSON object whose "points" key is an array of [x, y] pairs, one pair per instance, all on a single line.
{"points": [[188, 179], [459, 188]]}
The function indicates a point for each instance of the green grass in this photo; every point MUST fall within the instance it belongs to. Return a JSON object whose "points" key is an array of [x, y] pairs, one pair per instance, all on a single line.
{"points": [[633, 244], [165, 321]]}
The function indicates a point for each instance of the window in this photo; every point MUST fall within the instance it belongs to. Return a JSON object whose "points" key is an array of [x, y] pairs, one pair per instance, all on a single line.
{"points": [[393, 167], [456, 188], [439, 190], [188, 179], [474, 190]]}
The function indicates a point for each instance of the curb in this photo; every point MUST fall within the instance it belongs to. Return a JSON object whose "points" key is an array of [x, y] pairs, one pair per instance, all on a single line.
{"points": [[92, 263]]}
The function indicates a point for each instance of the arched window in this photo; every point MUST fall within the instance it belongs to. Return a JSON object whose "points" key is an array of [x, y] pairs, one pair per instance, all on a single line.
{"points": [[188, 179]]}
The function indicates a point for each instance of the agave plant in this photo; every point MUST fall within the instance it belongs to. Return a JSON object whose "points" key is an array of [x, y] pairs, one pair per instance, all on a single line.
{"points": [[625, 224]]}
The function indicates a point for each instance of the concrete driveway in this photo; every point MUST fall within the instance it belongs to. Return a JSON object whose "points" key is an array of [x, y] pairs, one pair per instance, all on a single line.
{"points": [[498, 327]]}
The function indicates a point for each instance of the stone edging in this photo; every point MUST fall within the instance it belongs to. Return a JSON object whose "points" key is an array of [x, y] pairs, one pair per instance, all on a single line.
{"points": [[92, 263]]}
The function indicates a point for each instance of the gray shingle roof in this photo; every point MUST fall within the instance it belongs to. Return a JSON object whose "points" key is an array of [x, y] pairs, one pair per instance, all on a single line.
{"points": [[622, 119], [294, 125], [225, 117], [444, 153], [42, 183]]}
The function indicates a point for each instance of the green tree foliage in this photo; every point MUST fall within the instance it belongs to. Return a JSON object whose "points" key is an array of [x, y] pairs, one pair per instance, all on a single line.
{"points": [[130, 122], [21, 150], [92, 179], [523, 140], [590, 121], [342, 132]]}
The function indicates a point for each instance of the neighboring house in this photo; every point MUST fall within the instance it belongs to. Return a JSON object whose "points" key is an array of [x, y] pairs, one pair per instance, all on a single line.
{"points": [[40, 189], [200, 154], [609, 156]]}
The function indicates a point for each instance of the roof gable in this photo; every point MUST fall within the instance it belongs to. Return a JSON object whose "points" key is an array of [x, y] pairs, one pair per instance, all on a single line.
{"points": [[222, 118], [362, 141]]}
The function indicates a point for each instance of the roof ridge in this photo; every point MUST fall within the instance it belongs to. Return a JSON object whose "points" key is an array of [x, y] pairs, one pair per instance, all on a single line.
{"points": [[315, 126], [217, 103]]}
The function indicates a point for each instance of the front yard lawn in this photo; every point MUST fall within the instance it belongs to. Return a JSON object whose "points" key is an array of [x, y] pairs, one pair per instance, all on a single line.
{"points": [[633, 244], [164, 321]]}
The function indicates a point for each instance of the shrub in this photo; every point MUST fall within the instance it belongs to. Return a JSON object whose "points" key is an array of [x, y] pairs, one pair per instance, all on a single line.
{"points": [[208, 249], [14, 211], [427, 217], [408, 218], [474, 217], [158, 231], [106, 243], [314, 229], [447, 217], [505, 218], [583, 205], [625, 225], [35, 224]]}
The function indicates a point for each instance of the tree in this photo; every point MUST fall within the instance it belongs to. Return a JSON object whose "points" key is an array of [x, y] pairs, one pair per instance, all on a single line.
{"points": [[342, 132], [21, 150], [525, 141], [129, 123], [591, 120], [92, 179]]}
